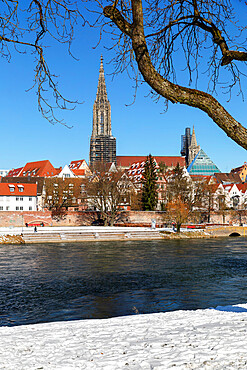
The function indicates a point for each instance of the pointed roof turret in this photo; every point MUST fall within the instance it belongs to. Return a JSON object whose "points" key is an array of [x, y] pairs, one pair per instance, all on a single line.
{"points": [[101, 89], [101, 107], [102, 143], [193, 141]]}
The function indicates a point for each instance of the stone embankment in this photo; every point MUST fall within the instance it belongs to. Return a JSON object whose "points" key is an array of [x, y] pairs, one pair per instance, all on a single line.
{"points": [[19, 235], [77, 234]]}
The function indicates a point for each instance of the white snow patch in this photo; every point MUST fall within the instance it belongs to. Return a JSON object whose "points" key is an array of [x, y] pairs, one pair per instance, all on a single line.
{"points": [[202, 339]]}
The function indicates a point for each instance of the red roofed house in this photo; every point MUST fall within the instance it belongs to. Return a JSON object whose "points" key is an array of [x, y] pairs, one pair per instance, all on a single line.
{"points": [[14, 172], [18, 197], [80, 168], [242, 171], [124, 161], [39, 169], [135, 174], [236, 195]]}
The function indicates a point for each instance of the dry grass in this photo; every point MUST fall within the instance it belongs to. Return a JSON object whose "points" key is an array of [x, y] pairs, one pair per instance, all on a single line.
{"points": [[11, 239], [200, 234]]}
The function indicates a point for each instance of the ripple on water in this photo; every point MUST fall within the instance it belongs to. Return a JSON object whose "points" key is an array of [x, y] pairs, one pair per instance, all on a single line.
{"points": [[54, 282]]}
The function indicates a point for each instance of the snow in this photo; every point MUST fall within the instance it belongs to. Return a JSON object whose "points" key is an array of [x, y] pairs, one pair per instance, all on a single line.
{"points": [[201, 339]]}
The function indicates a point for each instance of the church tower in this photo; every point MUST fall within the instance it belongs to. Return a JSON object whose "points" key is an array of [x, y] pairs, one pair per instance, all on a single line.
{"points": [[189, 147], [102, 143], [193, 148]]}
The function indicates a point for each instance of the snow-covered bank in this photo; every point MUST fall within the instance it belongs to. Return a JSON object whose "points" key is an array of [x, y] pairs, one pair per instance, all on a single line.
{"points": [[202, 339]]}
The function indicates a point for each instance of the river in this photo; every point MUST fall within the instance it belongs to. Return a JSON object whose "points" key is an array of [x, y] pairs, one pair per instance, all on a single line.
{"points": [[56, 282]]}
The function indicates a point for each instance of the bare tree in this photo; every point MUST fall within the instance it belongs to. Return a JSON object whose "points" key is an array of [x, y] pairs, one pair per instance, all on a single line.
{"points": [[178, 184], [178, 212], [62, 193], [105, 192], [154, 34], [30, 26]]}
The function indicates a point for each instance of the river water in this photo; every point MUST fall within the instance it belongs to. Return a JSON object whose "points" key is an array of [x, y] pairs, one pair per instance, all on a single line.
{"points": [[55, 282]]}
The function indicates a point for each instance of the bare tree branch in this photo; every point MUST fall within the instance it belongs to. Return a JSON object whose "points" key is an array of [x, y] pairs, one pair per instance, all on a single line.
{"points": [[174, 92], [24, 26]]}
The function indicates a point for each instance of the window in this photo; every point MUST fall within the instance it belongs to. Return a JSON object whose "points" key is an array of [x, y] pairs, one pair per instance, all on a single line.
{"points": [[1, 208], [17, 198], [21, 189], [7, 208], [21, 208], [30, 199], [11, 189], [30, 208], [17, 208], [21, 198]]}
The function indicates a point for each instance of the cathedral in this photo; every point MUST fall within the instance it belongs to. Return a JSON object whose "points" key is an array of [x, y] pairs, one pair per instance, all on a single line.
{"points": [[189, 147], [102, 143]]}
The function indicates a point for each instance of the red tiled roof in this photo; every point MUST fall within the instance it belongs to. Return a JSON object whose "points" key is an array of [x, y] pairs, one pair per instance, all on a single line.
{"points": [[238, 169], [78, 172], [205, 178], [126, 161], [39, 169], [228, 186], [28, 189], [229, 178], [242, 187], [14, 172], [76, 164], [135, 172]]}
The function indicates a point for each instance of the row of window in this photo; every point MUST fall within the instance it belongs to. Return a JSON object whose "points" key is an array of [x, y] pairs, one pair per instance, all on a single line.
{"points": [[12, 189], [17, 198], [16, 208], [21, 199]]}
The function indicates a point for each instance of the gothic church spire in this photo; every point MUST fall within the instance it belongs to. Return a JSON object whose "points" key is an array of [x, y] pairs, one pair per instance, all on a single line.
{"points": [[193, 142], [102, 107], [193, 147], [102, 143]]}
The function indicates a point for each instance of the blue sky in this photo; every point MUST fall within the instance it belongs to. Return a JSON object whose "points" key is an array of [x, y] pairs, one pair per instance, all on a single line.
{"points": [[140, 128]]}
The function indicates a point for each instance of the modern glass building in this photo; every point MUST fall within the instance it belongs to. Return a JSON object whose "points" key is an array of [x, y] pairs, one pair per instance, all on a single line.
{"points": [[202, 165]]}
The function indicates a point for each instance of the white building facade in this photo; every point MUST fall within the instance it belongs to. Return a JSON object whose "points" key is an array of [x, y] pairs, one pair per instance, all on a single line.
{"points": [[18, 197]]}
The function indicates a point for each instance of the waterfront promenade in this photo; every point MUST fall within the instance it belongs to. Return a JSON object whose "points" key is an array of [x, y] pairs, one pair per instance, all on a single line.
{"points": [[101, 233], [83, 233]]}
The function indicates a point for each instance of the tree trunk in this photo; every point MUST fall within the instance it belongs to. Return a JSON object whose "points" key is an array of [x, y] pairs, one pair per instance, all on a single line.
{"points": [[170, 91]]}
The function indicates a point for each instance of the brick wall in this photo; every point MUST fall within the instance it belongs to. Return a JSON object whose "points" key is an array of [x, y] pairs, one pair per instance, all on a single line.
{"points": [[75, 218], [83, 218], [21, 218]]}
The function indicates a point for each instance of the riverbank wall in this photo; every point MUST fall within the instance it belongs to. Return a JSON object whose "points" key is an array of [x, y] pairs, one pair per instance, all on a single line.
{"points": [[20, 235], [78, 218], [56, 234], [17, 235], [88, 218]]}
